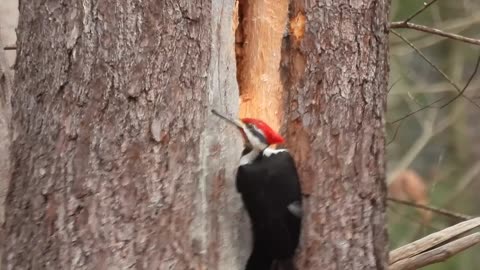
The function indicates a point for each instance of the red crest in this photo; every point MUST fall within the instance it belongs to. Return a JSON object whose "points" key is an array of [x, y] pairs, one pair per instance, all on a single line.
{"points": [[271, 136]]}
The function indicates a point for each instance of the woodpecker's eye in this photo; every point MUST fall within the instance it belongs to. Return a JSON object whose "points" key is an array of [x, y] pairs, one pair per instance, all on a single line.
{"points": [[252, 128], [256, 132]]}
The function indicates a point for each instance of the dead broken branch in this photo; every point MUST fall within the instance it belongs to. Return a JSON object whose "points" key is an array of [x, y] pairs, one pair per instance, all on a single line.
{"points": [[435, 247]]}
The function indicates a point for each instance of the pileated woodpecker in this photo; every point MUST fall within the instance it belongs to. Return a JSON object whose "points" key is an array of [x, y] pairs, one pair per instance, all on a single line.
{"points": [[268, 181]]}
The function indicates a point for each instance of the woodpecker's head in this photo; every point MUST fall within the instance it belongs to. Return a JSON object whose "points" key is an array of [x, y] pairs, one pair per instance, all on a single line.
{"points": [[256, 133]]}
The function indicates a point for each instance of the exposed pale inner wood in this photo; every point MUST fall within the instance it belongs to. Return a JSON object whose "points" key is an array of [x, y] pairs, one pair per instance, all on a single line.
{"points": [[261, 26]]}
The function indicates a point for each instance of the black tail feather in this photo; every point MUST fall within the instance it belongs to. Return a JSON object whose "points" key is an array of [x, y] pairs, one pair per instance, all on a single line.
{"points": [[286, 264], [259, 261]]}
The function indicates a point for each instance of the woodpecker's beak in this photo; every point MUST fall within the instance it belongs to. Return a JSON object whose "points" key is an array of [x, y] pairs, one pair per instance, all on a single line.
{"points": [[239, 124]]}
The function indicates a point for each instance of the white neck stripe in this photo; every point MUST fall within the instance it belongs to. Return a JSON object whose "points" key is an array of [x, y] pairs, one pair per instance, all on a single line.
{"points": [[269, 151], [252, 155]]}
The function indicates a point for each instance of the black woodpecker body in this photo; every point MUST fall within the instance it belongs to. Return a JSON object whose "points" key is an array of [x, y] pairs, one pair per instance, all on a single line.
{"points": [[268, 182]]}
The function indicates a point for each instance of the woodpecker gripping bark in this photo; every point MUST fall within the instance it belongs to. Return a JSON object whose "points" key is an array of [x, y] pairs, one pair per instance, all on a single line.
{"points": [[268, 182]]}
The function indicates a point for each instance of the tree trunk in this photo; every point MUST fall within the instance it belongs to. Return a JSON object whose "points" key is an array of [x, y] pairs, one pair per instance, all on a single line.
{"points": [[117, 163], [335, 71], [8, 21], [5, 136]]}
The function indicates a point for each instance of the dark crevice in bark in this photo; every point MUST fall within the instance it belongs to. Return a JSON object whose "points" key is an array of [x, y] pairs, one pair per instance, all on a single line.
{"points": [[240, 39]]}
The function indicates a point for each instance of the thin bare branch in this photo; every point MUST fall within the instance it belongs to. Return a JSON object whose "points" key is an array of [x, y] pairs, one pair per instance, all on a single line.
{"points": [[437, 210], [466, 85], [439, 71], [445, 76], [395, 134], [422, 39], [420, 11], [432, 240], [431, 30], [413, 219], [438, 88], [393, 84], [428, 106], [427, 133], [436, 255], [10, 48]]}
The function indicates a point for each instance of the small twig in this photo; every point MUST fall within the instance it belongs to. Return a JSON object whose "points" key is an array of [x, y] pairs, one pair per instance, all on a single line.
{"points": [[429, 62], [432, 64], [436, 255], [432, 240], [438, 88], [427, 133], [423, 39], [10, 48], [414, 219], [428, 106], [466, 85], [431, 30], [393, 84], [419, 11], [394, 134], [438, 70], [432, 209], [414, 99]]}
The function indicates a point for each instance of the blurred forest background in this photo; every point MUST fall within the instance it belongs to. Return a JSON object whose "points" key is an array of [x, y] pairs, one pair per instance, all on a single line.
{"points": [[434, 154]]}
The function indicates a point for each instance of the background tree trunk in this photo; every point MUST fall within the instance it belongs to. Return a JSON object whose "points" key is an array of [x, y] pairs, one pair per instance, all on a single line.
{"points": [[117, 162], [8, 21], [335, 73]]}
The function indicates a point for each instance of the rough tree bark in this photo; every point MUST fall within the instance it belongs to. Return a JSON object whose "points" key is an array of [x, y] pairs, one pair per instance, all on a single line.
{"points": [[117, 163], [335, 69], [5, 90], [8, 21]]}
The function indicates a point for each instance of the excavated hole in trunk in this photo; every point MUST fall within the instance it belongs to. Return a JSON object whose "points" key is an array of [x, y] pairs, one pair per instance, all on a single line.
{"points": [[259, 29]]}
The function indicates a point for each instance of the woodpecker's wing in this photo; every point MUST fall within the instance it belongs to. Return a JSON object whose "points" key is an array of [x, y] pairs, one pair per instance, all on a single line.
{"points": [[271, 193]]}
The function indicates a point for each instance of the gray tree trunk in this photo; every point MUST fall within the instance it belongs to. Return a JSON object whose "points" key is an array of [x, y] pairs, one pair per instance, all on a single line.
{"points": [[335, 73], [8, 21], [117, 162]]}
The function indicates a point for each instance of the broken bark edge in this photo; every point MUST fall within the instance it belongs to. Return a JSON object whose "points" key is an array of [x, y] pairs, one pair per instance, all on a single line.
{"points": [[420, 253]]}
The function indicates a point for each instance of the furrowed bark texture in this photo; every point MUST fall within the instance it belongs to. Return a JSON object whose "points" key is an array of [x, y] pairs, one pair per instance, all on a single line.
{"points": [[5, 135], [8, 21], [117, 163], [335, 69]]}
